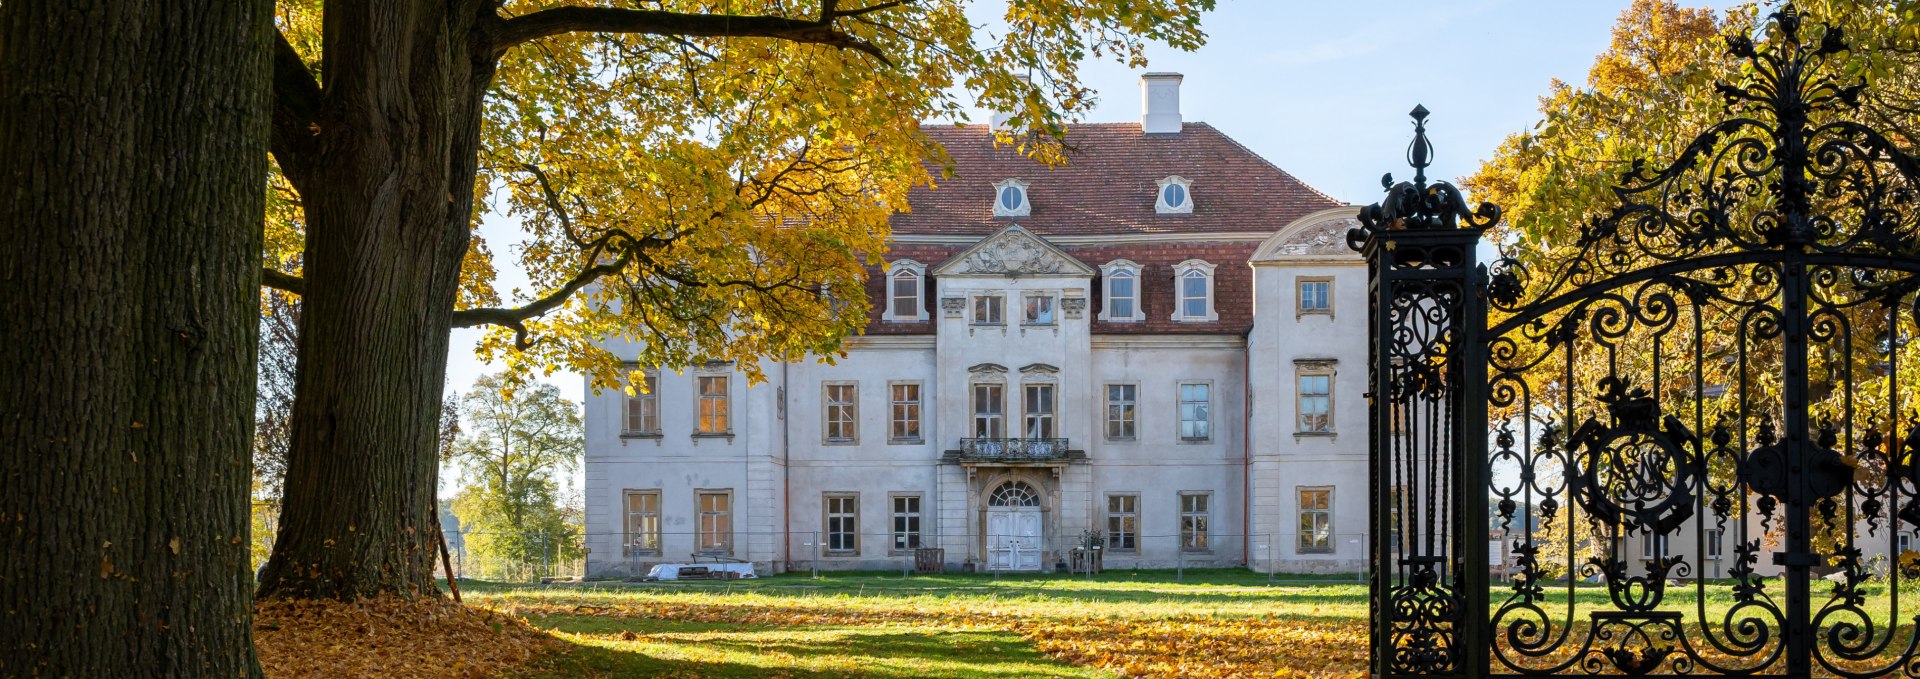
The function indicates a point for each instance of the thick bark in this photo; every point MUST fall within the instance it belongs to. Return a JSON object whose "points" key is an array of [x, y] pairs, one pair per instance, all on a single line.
{"points": [[387, 182], [134, 134]]}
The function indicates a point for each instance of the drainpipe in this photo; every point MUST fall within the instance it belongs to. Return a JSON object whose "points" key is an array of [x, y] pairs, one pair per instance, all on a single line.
{"points": [[1246, 451], [786, 473]]}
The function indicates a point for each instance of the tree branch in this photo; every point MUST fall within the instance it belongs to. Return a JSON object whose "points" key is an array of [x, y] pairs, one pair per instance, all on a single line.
{"points": [[296, 105], [517, 318], [279, 280], [572, 19]]}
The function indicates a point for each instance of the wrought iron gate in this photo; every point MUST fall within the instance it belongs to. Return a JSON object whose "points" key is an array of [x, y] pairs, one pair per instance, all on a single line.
{"points": [[1693, 425]]}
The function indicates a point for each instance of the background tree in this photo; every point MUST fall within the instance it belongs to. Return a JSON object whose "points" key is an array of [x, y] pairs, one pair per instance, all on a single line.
{"points": [[516, 441], [134, 133], [693, 175]]}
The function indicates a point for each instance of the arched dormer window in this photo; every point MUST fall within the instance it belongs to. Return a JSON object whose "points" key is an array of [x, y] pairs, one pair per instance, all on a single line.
{"points": [[1193, 292], [1120, 281], [1010, 199], [1174, 197], [906, 291]]}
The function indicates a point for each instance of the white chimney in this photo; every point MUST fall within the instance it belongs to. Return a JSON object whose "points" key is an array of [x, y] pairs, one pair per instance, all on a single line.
{"points": [[1160, 103], [1003, 120]]}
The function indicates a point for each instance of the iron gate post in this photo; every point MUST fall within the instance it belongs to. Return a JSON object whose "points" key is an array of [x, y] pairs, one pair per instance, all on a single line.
{"points": [[1427, 434]]}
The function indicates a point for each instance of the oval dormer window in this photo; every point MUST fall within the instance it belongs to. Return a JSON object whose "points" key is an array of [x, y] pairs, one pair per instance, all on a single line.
{"points": [[1012, 198], [1174, 195]]}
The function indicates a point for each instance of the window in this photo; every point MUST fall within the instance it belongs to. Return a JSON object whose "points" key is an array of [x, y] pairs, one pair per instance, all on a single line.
{"points": [[1122, 280], [1121, 400], [1316, 296], [987, 412], [1010, 199], [715, 406], [716, 521], [1714, 536], [1193, 279], [1039, 310], [986, 310], [905, 413], [643, 522], [1902, 543], [1195, 420], [1193, 521], [1175, 197], [904, 291], [1315, 399], [1039, 414], [1123, 522], [842, 412], [643, 407], [1652, 545], [1316, 520], [906, 522], [843, 523]]}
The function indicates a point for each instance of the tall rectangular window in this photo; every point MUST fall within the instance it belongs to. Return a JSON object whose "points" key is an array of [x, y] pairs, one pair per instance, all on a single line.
{"points": [[1316, 520], [1039, 414], [843, 523], [643, 407], [905, 295], [715, 521], [842, 412], [1193, 521], [1121, 402], [906, 522], [1123, 522], [1121, 296], [1196, 420], [1652, 545], [905, 414], [1315, 402], [987, 411], [643, 522], [987, 310], [1039, 310], [1714, 536], [1316, 295], [716, 405]]}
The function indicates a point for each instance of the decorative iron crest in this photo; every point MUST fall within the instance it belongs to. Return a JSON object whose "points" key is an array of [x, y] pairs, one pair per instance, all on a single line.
{"points": [[1418, 205]]}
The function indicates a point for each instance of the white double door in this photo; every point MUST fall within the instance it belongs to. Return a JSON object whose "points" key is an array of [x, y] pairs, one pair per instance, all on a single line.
{"points": [[1014, 539]]}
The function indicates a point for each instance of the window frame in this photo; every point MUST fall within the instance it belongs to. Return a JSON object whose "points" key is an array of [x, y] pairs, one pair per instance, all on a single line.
{"points": [[828, 403], [1160, 204], [1050, 417], [1132, 420], [999, 414], [1049, 300], [1180, 411], [627, 514], [650, 378], [1320, 369], [850, 513], [1300, 307], [701, 529], [1194, 268], [1202, 528], [918, 312], [1654, 545], [895, 514], [918, 404], [1108, 274], [997, 302], [1131, 515], [1302, 512], [1024, 209], [701, 419], [1716, 544]]}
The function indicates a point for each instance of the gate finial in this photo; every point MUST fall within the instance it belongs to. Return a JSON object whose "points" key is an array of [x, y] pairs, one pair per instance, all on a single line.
{"points": [[1420, 152]]}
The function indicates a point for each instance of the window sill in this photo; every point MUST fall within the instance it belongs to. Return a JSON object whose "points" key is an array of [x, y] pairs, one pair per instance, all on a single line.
{"points": [[1184, 440], [1312, 552], [907, 442], [1197, 552], [1123, 439], [910, 551], [1039, 325], [714, 435], [988, 325], [641, 435], [840, 555], [840, 442], [1303, 313], [1315, 434], [641, 554]]}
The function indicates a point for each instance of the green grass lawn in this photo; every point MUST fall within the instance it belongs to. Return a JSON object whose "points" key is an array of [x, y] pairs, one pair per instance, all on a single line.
{"points": [[1226, 622]]}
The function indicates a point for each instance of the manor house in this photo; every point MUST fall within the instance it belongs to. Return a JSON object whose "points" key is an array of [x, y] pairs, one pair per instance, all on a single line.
{"points": [[1159, 349]]}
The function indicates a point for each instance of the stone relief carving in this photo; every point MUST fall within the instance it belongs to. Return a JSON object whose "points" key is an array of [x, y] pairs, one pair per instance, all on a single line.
{"points": [[1074, 307], [986, 368], [952, 306], [1013, 256], [1324, 238]]}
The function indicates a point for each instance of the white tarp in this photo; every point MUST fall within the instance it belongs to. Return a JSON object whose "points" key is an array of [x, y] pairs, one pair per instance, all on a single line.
{"points": [[671, 571]]}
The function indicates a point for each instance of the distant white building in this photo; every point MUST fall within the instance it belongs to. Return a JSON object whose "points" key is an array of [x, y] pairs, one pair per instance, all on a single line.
{"points": [[1162, 346]]}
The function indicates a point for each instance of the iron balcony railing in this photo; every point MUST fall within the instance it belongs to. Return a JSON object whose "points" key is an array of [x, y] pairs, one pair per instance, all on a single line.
{"points": [[1014, 449]]}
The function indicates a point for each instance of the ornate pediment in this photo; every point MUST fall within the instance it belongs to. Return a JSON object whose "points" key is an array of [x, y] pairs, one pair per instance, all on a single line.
{"points": [[1013, 251], [1319, 235]]}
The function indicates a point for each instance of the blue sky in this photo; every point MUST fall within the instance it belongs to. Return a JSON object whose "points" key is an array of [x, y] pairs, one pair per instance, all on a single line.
{"points": [[1322, 89]]}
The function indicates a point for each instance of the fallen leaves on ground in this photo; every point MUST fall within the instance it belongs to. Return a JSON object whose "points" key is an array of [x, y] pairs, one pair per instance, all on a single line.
{"points": [[391, 637]]}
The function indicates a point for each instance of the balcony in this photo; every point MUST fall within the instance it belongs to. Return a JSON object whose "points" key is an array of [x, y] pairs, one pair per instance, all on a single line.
{"points": [[1033, 450]]}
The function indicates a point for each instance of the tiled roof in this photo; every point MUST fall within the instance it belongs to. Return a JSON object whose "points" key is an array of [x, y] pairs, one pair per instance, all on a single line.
{"points": [[1109, 184]]}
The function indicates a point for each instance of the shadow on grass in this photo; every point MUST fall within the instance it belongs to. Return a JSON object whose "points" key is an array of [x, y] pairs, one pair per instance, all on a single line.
{"points": [[697, 649]]}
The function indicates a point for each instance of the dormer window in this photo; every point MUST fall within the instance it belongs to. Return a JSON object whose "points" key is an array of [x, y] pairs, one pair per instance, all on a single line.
{"points": [[1010, 199], [1193, 285], [1121, 279], [905, 291], [1175, 196]]}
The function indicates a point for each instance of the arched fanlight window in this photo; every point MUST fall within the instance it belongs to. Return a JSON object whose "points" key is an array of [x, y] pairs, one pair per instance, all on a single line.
{"points": [[1121, 285], [1175, 196], [1010, 199], [906, 291], [1193, 289], [1014, 494]]}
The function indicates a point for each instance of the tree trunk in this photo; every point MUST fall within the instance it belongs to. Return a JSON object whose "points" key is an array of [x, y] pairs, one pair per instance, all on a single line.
{"points": [[134, 133], [388, 197]]}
